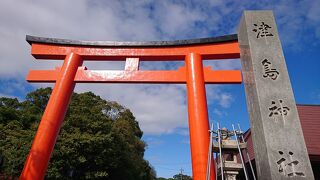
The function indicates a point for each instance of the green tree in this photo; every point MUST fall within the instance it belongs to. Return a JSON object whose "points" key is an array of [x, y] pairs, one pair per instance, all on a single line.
{"points": [[16, 134], [161, 178], [99, 139], [177, 177], [181, 176]]}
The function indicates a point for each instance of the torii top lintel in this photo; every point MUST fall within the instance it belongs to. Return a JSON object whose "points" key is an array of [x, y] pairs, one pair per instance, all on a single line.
{"points": [[222, 47]]}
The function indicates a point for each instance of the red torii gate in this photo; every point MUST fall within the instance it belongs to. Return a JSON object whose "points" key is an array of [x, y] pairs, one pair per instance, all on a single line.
{"points": [[75, 52]]}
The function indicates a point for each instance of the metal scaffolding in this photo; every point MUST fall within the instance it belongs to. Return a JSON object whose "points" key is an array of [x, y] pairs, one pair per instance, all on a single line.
{"points": [[227, 146]]}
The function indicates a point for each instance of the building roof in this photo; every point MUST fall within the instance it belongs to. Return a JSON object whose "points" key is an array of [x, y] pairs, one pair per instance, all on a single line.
{"points": [[310, 123]]}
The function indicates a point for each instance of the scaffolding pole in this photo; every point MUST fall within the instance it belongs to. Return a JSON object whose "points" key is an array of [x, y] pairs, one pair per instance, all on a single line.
{"points": [[209, 153], [240, 153], [220, 152], [251, 167]]}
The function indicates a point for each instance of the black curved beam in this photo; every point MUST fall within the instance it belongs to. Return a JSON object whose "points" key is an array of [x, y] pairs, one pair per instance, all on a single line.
{"points": [[219, 39]]}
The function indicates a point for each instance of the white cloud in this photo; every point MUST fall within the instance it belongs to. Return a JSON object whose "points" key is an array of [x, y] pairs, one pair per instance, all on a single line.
{"points": [[154, 141], [183, 131], [301, 25], [185, 141], [6, 95], [219, 112], [176, 19], [225, 100], [228, 64], [215, 94]]}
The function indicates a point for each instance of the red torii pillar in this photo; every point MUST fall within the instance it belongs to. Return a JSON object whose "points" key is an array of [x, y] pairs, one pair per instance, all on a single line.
{"points": [[74, 52]]}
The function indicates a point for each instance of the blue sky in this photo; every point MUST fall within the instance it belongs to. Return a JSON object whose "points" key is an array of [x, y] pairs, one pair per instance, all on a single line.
{"points": [[160, 109]]}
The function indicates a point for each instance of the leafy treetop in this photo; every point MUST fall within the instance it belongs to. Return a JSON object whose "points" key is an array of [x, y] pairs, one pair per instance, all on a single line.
{"points": [[99, 139]]}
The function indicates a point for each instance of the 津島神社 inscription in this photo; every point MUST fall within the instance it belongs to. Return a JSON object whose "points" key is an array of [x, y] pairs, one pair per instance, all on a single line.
{"points": [[279, 146]]}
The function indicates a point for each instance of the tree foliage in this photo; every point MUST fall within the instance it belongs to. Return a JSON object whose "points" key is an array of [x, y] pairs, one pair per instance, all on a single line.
{"points": [[181, 176], [99, 139], [177, 177]]}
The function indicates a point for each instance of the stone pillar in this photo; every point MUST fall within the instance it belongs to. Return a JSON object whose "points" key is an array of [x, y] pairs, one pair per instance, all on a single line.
{"points": [[279, 146]]}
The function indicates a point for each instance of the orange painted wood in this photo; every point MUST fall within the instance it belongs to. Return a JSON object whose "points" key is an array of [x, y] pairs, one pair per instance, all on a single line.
{"points": [[49, 127], [198, 117], [126, 76], [226, 50]]}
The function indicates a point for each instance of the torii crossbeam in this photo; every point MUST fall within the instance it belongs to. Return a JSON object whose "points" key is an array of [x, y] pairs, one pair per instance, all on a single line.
{"points": [[194, 75]]}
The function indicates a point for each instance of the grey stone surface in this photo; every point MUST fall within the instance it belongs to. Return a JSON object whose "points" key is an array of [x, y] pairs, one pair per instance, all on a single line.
{"points": [[279, 146]]}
